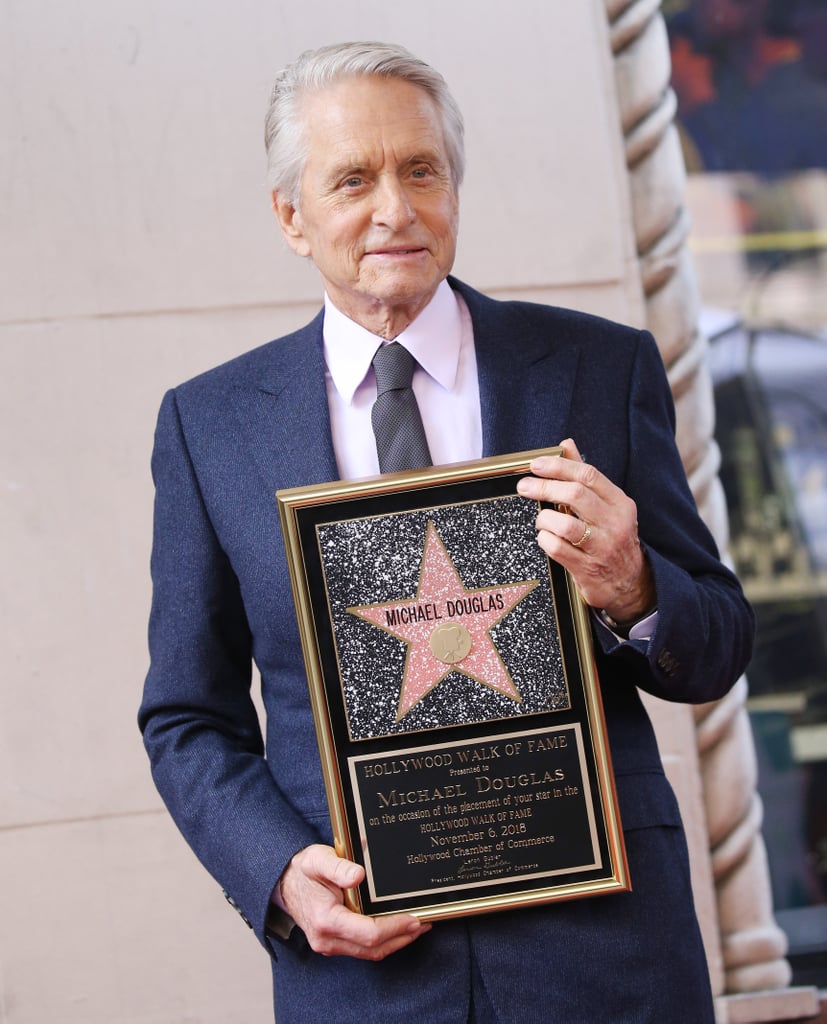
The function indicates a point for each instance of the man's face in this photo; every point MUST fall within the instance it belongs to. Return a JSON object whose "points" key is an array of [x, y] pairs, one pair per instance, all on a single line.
{"points": [[378, 209]]}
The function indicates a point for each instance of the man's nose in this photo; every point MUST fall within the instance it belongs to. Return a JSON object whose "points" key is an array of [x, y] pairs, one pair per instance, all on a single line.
{"points": [[393, 206]]}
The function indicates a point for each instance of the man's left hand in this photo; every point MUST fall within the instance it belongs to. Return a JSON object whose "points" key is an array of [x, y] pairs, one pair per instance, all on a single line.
{"points": [[592, 532]]}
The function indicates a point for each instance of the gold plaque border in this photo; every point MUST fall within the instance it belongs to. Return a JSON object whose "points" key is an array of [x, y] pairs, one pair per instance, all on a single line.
{"points": [[417, 484]]}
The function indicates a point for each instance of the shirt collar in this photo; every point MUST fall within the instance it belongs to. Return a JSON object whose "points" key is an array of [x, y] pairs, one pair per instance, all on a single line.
{"points": [[433, 339]]}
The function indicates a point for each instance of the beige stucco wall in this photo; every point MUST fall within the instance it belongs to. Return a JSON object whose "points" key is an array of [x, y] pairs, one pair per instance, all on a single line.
{"points": [[136, 249]]}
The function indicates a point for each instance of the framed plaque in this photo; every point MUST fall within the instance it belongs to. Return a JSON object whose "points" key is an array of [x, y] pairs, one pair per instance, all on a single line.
{"points": [[454, 693]]}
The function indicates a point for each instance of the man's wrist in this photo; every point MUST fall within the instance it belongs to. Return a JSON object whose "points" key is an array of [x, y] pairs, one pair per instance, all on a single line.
{"points": [[642, 596]]}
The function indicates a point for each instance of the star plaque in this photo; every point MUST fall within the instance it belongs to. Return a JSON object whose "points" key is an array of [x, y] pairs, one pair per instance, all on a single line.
{"points": [[453, 689], [447, 627]]}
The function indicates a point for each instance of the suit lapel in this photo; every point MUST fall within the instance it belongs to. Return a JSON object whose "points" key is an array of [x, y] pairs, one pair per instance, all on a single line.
{"points": [[282, 408], [526, 377]]}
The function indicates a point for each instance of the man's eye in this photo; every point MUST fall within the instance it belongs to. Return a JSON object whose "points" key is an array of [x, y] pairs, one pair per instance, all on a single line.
{"points": [[420, 172], [352, 182]]}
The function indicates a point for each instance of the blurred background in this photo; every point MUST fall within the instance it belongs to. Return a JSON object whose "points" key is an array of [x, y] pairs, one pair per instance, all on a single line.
{"points": [[751, 82]]}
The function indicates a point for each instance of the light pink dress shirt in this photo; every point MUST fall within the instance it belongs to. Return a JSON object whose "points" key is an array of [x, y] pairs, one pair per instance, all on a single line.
{"points": [[441, 339]]}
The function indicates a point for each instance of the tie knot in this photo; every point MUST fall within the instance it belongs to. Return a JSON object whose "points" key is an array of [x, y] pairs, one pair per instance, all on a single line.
{"points": [[394, 366]]}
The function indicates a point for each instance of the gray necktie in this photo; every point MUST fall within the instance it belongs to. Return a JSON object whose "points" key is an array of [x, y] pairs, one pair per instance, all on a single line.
{"points": [[397, 425]]}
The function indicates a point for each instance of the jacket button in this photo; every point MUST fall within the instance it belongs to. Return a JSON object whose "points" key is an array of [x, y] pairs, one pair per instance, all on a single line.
{"points": [[667, 662], [237, 908]]}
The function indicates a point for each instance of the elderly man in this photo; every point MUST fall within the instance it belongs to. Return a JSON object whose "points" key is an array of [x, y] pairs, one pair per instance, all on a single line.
{"points": [[366, 159]]}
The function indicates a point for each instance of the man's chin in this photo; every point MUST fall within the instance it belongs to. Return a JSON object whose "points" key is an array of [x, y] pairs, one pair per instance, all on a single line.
{"points": [[388, 306], [402, 285]]}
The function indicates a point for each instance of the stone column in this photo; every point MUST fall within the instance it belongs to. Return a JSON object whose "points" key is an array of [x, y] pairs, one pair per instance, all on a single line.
{"points": [[750, 943]]}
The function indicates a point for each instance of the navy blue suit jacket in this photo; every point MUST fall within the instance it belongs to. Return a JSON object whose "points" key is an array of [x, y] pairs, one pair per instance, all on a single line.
{"points": [[225, 442]]}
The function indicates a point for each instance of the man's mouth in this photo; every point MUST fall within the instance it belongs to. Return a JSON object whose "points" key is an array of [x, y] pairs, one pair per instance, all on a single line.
{"points": [[396, 252]]}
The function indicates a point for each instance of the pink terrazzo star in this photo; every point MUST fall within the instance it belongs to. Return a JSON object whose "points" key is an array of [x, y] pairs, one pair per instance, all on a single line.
{"points": [[446, 618]]}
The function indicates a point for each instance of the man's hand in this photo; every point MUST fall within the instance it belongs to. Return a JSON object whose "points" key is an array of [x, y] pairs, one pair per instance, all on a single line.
{"points": [[311, 890], [592, 533]]}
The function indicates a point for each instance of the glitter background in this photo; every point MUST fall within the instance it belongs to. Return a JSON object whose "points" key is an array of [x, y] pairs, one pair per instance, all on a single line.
{"points": [[377, 559]]}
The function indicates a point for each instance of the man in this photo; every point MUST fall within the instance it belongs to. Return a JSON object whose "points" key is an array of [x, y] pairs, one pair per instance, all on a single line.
{"points": [[365, 150]]}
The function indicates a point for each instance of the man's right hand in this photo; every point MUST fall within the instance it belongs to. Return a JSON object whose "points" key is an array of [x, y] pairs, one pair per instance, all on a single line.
{"points": [[312, 893]]}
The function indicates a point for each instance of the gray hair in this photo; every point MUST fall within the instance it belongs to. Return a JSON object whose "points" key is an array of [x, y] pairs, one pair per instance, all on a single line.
{"points": [[284, 137]]}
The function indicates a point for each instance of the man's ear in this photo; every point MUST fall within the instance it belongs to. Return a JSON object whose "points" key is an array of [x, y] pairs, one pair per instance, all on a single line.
{"points": [[290, 222]]}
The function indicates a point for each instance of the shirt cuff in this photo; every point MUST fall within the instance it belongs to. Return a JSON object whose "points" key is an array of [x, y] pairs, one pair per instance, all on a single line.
{"points": [[279, 922], [640, 630], [644, 629]]}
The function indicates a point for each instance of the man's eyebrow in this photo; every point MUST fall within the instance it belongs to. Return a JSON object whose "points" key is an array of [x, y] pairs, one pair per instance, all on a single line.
{"points": [[347, 168], [427, 156], [359, 166]]}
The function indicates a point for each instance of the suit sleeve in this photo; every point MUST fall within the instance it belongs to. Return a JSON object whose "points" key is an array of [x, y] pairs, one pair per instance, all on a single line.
{"points": [[705, 628], [199, 723]]}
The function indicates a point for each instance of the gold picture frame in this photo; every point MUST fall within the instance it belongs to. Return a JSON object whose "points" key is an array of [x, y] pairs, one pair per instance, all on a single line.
{"points": [[454, 693]]}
